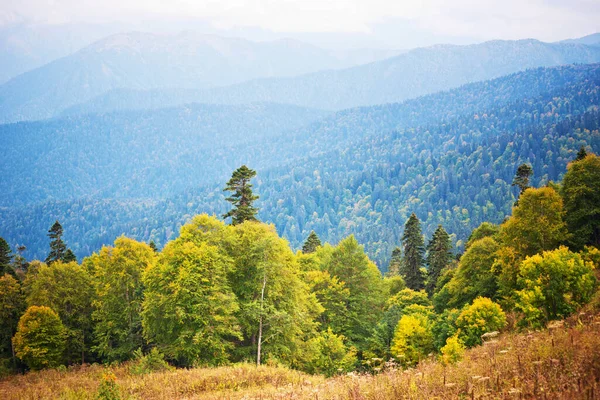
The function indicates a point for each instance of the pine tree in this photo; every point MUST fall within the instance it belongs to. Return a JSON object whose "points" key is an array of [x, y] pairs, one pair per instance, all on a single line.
{"points": [[69, 256], [395, 264], [153, 246], [58, 248], [412, 240], [242, 197], [581, 154], [5, 257], [311, 244], [438, 257], [521, 179]]}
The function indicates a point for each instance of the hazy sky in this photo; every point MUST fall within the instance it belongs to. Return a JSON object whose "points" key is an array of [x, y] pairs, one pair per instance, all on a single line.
{"points": [[398, 23]]}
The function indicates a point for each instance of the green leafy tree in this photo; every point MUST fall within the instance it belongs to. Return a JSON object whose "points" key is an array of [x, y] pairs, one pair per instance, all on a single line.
{"points": [[189, 308], [67, 289], [412, 241], [486, 229], [242, 197], [521, 179], [12, 305], [330, 355], [581, 195], [413, 339], [439, 256], [312, 243], [395, 265], [6, 257], [481, 317], [536, 224], [554, 284], [117, 273], [277, 312], [40, 338], [348, 263], [452, 352], [474, 276]]}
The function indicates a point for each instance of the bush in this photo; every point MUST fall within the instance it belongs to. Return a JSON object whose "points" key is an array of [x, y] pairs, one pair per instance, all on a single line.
{"points": [[453, 351], [151, 362], [40, 338], [331, 355], [554, 284], [413, 339], [108, 389], [480, 317]]}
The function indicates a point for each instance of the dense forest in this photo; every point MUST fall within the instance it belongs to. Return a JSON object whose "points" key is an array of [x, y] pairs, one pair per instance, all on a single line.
{"points": [[234, 291], [448, 157]]}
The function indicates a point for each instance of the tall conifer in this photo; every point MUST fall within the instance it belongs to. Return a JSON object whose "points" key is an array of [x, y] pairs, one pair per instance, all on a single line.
{"points": [[242, 197], [438, 257], [311, 244], [413, 243]]}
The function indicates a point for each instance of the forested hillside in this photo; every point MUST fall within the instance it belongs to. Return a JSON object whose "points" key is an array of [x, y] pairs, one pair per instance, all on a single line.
{"points": [[448, 157], [408, 75]]}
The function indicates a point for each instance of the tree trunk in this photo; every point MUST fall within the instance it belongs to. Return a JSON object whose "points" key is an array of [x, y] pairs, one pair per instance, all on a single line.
{"points": [[260, 320]]}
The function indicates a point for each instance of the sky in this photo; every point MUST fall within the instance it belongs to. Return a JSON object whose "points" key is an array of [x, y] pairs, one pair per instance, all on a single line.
{"points": [[391, 24]]}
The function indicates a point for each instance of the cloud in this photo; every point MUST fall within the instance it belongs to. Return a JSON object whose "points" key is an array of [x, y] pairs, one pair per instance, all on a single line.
{"points": [[481, 19]]}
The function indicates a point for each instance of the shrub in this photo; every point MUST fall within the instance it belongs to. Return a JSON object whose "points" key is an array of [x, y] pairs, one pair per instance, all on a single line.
{"points": [[453, 351], [40, 338], [108, 389], [151, 362], [554, 284], [331, 355], [478, 318]]}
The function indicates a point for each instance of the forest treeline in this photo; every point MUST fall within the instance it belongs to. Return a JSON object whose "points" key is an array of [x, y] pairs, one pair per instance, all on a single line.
{"points": [[222, 293], [447, 157]]}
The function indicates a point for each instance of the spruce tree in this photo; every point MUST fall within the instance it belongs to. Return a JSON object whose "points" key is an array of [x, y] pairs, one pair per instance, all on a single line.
{"points": [[311, 244], [242, 197], [439, 257], [5, 257], [581, 154], [521, 179], [58, 248], [412, 240], [395, 264]]}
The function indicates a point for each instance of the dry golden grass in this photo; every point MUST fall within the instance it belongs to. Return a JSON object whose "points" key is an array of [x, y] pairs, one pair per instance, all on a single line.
{"points": [[558, 363]]}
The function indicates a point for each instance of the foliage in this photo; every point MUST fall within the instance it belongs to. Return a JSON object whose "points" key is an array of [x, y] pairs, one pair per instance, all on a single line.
{"points": [[12, 305], [189, 308], [58, 248], [521, 179], [413, 339], [153, 361], [108, 388], [6, 257], [331, 356], [473, 276], [453, 350], [395, 265], [412, 241], [117, 275], [242, 198], [581, 195], [554, 284], [536, 223], [478, 318], [439, 256], [312, 243], [67, 289], [363, 307], [486, 229], [40, 338]]}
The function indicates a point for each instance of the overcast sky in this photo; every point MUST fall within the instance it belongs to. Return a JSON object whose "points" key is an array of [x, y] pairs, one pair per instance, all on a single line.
{"points": [[395, 23]]}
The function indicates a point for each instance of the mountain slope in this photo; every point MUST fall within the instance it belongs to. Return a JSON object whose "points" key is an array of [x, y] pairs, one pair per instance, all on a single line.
{"points": [[146, 61], [360, 171], [409, 75]]}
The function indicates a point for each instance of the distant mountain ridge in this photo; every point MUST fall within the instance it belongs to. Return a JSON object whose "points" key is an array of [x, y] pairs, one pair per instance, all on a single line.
{"points": [[414, 73], [143, 61]]}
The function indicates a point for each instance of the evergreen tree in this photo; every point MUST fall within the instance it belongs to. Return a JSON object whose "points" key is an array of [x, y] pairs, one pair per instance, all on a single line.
{"points": [[311, 244], [521, 179], [21, 264], [438, 257], [581, 154], [5, 258], [412, 240], [153, 246], [58, 248], [69, 256], [242, 197], [395, 264]]}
